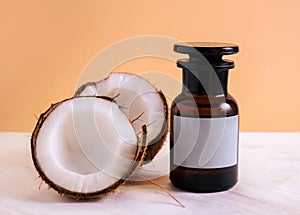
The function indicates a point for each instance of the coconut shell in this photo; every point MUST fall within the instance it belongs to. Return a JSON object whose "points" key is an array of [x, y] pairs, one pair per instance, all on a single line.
{"points": [[155, 146], [139, 158]]}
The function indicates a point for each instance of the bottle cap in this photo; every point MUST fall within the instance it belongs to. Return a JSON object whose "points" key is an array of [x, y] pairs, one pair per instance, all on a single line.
{"points": [[205, 72], [212, 52], [206, 48]]}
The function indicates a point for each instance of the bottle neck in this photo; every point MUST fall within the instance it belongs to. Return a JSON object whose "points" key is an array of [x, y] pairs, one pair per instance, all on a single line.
{"points": [[204, 83]]}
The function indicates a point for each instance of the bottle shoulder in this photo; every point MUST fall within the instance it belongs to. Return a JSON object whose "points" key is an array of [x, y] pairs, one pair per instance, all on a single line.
{"points": [[204, 106]]}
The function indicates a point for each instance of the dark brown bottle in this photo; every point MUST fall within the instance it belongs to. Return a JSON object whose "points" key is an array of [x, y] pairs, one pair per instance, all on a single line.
{"points": [[204, 121]]}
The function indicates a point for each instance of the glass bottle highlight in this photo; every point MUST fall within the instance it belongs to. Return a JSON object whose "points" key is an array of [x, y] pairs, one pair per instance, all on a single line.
{"points": [[204, 121]]}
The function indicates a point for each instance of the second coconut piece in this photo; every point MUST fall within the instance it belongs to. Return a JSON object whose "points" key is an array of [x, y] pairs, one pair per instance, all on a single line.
{"points": [[139, 100]]}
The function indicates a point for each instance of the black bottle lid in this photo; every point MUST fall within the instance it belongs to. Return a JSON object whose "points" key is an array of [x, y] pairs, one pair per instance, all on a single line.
{"points": [[206, 48], [205, 60], [213, 53]]}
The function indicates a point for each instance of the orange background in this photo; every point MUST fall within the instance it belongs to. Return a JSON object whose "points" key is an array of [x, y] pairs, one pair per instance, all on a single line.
{"points": [[44, 45]]}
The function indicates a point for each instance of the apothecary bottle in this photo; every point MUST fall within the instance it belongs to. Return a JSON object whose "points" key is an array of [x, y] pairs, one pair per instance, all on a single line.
{"points": [[204, 121]]}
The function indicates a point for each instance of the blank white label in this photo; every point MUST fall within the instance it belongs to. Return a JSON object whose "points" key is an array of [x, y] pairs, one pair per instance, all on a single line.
{"points": [[205, 142]]}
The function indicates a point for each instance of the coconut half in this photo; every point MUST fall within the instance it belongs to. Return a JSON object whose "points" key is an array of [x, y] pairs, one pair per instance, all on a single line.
{"points": [[139, 100], [85, 147]]}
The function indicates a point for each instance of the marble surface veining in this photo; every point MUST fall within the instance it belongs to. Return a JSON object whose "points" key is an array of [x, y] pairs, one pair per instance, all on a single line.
{"points": [[269, 184]]}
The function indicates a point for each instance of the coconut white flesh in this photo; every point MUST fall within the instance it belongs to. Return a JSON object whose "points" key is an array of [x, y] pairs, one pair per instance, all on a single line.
{"points": [[136, 97], [86, 144]]}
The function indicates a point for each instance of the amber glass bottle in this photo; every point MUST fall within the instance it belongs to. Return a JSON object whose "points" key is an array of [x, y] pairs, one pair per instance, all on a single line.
{"points": [[204, 121]]}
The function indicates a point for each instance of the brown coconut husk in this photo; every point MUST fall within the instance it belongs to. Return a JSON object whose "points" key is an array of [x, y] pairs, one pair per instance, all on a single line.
{"points": [[155, 146]]}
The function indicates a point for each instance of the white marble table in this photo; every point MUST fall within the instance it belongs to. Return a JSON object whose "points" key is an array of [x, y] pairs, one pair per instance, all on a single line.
{"points": [[269, 184]]}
